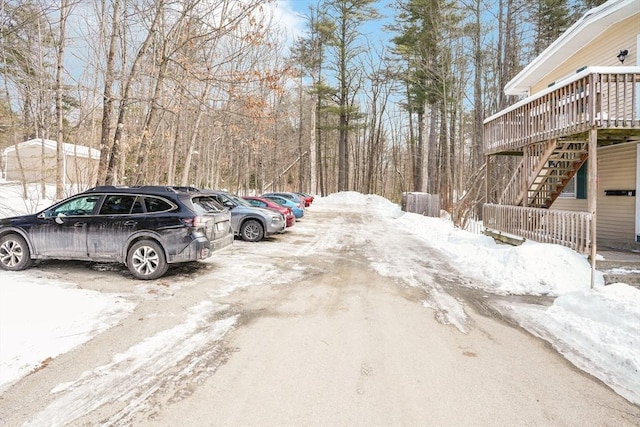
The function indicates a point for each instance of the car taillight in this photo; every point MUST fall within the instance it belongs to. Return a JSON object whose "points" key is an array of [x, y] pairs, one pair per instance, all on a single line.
{"points": [[195, 222]]}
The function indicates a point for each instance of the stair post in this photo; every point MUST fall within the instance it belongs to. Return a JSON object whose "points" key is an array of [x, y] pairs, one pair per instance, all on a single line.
{"points": [[525, 176]]}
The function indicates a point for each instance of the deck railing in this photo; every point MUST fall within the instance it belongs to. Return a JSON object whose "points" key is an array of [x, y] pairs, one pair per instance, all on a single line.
{"points": [[571, 229], [604, 97]]}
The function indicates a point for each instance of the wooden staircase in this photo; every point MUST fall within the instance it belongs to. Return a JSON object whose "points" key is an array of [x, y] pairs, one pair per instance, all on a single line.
{"points": [[545, 170]]}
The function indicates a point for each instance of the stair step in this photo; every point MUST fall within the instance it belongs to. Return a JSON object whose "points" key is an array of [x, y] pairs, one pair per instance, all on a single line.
{"points": [[546, 172], [564, 150]]}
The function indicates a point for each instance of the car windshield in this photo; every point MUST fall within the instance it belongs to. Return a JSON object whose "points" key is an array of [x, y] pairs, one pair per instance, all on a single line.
{"points": [[289, 196], [82, 205], [278, 200], [240, 201]]}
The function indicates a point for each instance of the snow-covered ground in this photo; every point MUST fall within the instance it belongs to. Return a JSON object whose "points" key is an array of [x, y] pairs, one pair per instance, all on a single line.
{"points": [[597, 329]]}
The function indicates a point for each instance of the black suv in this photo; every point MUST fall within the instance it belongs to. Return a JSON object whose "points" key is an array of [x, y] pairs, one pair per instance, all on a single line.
{"points": [[147, 228]]}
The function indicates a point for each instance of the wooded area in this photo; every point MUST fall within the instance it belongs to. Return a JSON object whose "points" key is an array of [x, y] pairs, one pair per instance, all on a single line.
{"points": [[211, 93]]}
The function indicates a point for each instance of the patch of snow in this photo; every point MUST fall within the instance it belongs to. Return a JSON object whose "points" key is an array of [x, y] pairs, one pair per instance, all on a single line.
{"points": [[40, 319]]}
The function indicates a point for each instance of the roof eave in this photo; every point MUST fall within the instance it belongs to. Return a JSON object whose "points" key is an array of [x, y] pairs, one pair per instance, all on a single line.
{"points": [[587, 28]]}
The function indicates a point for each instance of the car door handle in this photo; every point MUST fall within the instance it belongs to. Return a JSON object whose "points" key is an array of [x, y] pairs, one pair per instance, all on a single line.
{"points": [[79, 224], [130, 222]]}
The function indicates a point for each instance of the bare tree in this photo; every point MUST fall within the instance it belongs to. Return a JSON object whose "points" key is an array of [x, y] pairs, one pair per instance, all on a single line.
{"points": [[115, 148], [109, 81], [60, 152], [349, 15]]}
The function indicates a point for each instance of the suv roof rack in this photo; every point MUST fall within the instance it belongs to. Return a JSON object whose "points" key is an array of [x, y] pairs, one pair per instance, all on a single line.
{"points": [[149, 188], [188, 189]]}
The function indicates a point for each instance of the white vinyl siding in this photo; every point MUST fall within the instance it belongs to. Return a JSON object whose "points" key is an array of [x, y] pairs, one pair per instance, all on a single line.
{"points": [[602, 51], [570, 204], [616, 171]]}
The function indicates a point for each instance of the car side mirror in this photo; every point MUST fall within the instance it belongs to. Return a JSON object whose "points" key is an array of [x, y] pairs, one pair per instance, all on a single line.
{"points": [[59, 218], [46, 215]]}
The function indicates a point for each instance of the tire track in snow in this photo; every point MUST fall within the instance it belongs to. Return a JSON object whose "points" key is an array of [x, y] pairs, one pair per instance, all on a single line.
{"points": [[331, 236], [185, 353], [407, 259]]}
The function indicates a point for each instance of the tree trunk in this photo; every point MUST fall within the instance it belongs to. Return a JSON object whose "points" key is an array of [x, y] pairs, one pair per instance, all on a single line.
{"points": [[60, 160], [107, 97], [114, 155]]}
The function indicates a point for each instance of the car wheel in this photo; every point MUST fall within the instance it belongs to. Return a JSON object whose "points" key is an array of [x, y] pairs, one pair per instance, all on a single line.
{"points": [[251, 231], [14, 253], [146, 260]]}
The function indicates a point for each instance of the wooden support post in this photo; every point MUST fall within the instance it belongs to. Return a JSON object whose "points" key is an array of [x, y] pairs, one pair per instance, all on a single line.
{"points": [[524, 185], [592, 191], [487, 175]]}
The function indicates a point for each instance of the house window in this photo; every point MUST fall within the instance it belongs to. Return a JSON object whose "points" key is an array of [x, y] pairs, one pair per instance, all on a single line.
{"points": [[577, 187], [569, 191]]}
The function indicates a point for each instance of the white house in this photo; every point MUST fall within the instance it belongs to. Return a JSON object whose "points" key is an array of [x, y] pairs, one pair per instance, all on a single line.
{"points": [[575, 137]]}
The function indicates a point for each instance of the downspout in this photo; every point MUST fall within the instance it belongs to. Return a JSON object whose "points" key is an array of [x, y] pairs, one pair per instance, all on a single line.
{"points": [[592, 172], [593, 196]]}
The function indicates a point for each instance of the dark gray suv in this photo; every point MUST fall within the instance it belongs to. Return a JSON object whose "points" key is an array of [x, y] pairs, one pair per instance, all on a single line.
{"points": [[147, 228]]}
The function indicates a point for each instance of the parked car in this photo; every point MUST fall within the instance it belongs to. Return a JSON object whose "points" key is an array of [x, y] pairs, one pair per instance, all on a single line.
{"points": [[290, 196], [287, 195], [261, 202], [308, 198], [146, 228], [298, 212], [248, 222]]}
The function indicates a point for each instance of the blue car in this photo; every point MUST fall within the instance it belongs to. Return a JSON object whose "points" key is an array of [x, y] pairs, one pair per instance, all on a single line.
{"points": [[297, 211], [296, 198]]}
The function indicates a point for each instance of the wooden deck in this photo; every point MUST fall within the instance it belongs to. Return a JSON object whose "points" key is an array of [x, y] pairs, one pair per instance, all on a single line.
{"points": [[606, 98], [554, 132]]}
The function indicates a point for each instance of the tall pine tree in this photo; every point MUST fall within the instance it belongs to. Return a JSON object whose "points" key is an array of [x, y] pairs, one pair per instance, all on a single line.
{"points": [[552, 19]]}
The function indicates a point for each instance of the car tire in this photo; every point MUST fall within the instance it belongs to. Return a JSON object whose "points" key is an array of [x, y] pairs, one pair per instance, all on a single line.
{"points": [[251, 231], [14, 253], [146, 260]]}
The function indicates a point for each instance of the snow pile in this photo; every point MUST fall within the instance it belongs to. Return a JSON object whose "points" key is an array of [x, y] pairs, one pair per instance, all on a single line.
{"points": [[372, 202], [529, 269], [597, 330]]}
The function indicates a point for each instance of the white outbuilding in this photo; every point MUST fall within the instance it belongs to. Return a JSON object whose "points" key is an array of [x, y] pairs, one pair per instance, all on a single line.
{"points": [[35, 160]]}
